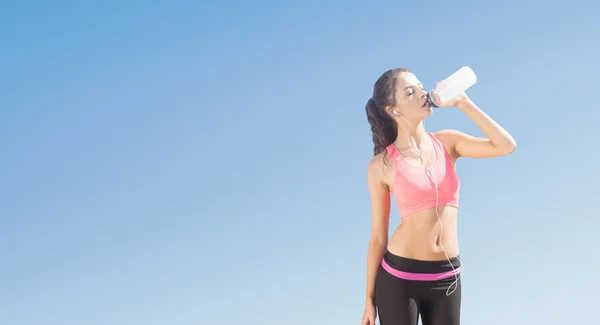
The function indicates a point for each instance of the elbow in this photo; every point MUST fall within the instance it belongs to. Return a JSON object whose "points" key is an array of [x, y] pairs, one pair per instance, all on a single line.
{"points": [[511, 147], [508, 148], [378, 241]]}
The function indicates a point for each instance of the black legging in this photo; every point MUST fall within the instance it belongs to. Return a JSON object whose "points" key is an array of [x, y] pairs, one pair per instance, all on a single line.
{"points": [[400, 301]]}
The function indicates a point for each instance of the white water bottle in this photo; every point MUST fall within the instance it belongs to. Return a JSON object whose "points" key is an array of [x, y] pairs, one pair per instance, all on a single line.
{"points": [[453, 86]]}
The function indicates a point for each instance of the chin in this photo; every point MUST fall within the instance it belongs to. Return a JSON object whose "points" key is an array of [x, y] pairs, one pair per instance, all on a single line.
{"points": [[428, 110]]}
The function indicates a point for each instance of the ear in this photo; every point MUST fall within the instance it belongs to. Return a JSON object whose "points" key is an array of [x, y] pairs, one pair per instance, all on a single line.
{"points": [[391, 111]]}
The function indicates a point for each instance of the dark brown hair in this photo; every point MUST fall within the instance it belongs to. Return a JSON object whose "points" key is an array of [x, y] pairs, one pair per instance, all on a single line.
{"points": [[383, 127]]}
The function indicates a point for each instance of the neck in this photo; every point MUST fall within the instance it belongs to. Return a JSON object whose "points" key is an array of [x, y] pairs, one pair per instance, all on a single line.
{"points": [[410, 135]]}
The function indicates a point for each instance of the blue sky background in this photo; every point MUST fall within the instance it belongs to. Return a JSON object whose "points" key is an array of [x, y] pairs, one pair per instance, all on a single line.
{"points": [[190, 162]]}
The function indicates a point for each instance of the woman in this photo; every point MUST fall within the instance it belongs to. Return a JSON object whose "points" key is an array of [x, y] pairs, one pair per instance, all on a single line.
{"points": [[417, 271]]}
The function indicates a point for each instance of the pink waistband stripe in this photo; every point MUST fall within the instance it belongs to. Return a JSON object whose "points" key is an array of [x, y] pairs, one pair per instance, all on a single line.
{"points": [[419, 276]]}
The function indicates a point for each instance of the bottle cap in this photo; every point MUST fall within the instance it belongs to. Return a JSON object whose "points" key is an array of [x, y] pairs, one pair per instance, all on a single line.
{"points": [[431, 99]]}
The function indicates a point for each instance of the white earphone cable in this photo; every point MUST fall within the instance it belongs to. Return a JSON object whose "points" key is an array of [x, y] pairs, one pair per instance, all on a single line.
{"points": [[437, 198]]}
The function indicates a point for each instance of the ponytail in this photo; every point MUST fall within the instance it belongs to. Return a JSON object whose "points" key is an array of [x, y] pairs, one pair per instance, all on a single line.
{"points": [[383, 127]]}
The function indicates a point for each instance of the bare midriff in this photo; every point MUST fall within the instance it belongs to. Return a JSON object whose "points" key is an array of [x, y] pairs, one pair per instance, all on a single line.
{"points": [[421, 236]]}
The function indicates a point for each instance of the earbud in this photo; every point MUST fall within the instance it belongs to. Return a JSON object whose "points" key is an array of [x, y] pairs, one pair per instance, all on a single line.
{"points": [[395, 112]]}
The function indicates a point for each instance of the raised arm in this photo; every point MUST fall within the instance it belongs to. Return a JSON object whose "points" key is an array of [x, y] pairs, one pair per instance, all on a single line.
{"points": [[498, 142]]}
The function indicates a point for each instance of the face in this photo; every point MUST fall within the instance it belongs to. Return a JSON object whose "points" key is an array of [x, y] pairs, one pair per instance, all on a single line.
{"points": [[411, 98]]}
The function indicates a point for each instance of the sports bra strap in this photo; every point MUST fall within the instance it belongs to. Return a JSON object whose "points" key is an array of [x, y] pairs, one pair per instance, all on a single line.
{"points": [[440, 145], [392, 151], [395, 155]]}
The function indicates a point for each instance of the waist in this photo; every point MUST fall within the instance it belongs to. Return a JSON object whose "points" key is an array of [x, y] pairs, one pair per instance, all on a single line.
{"points": [[420, 270], [422, 236]]}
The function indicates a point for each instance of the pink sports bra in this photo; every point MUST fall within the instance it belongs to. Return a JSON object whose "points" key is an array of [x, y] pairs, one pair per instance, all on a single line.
{"points": [[414, 188]]}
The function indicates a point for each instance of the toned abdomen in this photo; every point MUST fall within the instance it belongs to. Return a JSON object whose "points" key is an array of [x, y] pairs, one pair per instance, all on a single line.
{"points": [[422, 237]]}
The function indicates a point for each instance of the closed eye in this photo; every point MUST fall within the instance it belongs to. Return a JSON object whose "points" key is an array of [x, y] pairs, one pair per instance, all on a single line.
{"points": [[411, 91]]}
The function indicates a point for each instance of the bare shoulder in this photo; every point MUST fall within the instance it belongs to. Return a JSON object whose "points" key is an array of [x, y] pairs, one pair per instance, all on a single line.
{"points": [[377, 169]]}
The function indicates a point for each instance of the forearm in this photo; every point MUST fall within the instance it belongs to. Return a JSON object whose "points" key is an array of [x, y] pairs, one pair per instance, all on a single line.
{"points": [[497, 135], [375, 254]]}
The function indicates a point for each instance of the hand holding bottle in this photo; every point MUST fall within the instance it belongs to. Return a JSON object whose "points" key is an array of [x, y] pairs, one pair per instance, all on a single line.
{"points": [[452, 102], [451, 91]]}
